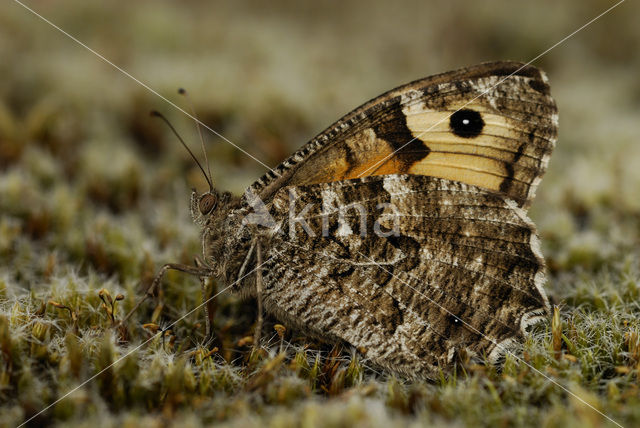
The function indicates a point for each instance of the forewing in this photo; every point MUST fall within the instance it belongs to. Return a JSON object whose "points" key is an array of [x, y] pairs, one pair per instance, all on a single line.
{"points": [[411, 130], [463, 273]]}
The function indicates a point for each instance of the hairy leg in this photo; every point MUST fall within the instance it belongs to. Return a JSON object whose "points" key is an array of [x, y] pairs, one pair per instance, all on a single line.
{"points": [[258, 331], [208, 304]]}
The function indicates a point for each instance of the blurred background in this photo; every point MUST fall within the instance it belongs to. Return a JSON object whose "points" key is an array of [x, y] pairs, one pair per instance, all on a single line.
{"points": [[94, 192], [90, 183]]}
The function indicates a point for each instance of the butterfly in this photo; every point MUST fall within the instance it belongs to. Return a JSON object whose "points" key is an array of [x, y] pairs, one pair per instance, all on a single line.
{"points": [[401, 229]]}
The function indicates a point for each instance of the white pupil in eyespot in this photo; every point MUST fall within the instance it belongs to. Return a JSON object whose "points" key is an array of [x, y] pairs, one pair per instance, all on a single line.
{"points": [[466, 121]]}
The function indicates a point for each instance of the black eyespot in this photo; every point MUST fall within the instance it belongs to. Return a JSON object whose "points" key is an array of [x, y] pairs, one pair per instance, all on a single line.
{"points": [[207, 203], [466, 123], [453, 319]]}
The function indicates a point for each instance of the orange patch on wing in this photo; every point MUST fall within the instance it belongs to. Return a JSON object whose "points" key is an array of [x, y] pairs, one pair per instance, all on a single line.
{"points": [[379, 165]]}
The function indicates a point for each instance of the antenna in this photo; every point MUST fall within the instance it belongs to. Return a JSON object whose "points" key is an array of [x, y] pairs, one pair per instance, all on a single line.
{"points": [[183, 92], [161, 116]]}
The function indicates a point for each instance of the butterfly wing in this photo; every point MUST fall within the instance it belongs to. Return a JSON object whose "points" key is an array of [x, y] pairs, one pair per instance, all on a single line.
{"points": [[492, 125], [463, 273]]}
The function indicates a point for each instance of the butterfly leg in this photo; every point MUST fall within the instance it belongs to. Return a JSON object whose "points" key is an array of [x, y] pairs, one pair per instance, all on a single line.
{"points": [[191, 270], [258, 331], [208, 304], [255, 246]]}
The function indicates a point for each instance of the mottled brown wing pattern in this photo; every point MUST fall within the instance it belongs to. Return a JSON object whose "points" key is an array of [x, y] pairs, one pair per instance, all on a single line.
{"points": [[461, 254], [412, 129]]}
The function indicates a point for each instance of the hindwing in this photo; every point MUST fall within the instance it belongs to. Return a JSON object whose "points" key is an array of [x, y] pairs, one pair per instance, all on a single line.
{"points": [[462, 272]]}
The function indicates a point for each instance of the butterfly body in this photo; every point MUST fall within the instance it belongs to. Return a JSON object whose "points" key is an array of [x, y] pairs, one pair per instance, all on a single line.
{"points": [[402, 229]]}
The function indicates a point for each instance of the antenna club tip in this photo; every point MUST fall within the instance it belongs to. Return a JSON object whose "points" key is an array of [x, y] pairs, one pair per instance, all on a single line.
{"points": [[182, 91], [154, 113]]}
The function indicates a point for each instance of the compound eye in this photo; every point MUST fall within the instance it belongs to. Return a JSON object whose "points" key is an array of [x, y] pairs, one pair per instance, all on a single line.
{"points": [[207, 203]]}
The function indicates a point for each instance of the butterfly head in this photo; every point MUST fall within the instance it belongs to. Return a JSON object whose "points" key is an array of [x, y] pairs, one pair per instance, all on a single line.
{"points": [[208, 205]]}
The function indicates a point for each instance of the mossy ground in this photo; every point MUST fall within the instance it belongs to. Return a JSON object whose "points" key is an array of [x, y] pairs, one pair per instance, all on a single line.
{"points": [[94, 196]]}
